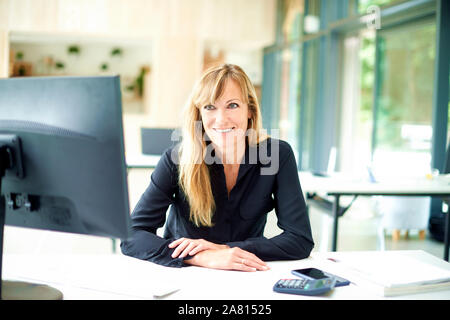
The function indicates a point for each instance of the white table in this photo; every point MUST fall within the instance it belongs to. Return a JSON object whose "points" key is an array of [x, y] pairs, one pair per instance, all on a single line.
{"points": [[339, 185], [116, 276], [143, 161]]}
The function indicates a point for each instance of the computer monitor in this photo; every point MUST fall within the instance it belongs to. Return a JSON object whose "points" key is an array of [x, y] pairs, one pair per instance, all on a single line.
{"points": [[156, 140], [62, 159]]}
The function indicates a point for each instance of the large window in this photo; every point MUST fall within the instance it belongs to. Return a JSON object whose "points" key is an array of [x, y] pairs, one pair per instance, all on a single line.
{"points": [[364, 5], [403, 103], [308, 103], [290, 95], [448, 114], [334, 81], [357, 75], [282, 75]]}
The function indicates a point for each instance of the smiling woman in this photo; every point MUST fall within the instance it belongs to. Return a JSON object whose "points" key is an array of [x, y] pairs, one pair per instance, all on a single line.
{"points": [[226, 122], [222, 109], [219, 189]]}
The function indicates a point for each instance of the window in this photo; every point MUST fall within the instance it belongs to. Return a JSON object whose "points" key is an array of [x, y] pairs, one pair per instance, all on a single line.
{"points": [[448, 123], [363, 5], [403, 102], [336, 81], [292, 11], [356, 117], [290, 100], [281, 80], [308, 103]]}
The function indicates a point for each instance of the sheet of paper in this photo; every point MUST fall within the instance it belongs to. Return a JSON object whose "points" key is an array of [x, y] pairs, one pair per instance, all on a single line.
{"points": [[391, 269], [107, 273]]}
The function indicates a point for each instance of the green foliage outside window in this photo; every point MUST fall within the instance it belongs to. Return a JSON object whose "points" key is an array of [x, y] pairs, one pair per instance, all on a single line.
{"points": [[367, 57], [406, 69], [363, 5]]}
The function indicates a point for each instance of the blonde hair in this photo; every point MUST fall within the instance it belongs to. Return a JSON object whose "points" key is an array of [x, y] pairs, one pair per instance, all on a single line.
{"points": [[193, 176]]}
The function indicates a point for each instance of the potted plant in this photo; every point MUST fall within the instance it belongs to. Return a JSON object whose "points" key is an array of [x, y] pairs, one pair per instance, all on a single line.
{"points": [[73, 50], [59, 66], [116, 52], [104, 67]]}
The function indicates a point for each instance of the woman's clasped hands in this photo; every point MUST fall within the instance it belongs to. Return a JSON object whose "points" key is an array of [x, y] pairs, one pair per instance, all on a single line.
{"points": [[216, 256]]}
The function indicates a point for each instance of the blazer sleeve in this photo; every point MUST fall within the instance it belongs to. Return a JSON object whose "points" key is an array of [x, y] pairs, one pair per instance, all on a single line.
{"points": [[150, 214], [295, 242]]}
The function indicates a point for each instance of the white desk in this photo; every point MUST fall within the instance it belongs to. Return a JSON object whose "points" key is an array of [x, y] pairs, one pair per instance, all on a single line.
{"points": [[121, 277], [338, 186], [143, 161]]}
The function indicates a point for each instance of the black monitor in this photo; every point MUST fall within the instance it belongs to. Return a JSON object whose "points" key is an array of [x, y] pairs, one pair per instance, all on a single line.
{"points": [[62, 159]]}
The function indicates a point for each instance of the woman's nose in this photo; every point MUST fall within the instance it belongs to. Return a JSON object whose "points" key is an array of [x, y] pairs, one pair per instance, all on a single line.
{"points": [[221, 116]]}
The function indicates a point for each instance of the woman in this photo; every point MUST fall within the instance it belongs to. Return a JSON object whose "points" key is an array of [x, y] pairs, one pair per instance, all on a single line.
{"points": [[220, 184]]}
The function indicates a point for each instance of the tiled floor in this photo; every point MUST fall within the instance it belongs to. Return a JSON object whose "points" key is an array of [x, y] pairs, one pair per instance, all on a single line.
{"points": [[358, 230]]}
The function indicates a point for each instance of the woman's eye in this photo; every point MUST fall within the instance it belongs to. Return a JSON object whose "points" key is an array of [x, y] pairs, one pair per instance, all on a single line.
{"points": [[233, 105], [209, 107]]}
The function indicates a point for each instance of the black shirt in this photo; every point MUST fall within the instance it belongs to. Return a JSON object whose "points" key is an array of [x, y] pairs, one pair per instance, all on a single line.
{"points": [[267, 179]]}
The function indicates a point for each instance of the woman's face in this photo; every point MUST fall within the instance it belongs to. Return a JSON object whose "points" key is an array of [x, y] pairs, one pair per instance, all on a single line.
{"points": [[225, 121]]}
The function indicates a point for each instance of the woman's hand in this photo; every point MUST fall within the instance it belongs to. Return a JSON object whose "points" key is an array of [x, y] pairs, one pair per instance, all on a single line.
{"points": [[186, 246], [228, 259]]}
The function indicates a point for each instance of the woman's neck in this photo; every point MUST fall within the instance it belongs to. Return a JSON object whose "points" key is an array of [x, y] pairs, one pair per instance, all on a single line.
{"points": [[232, 155]]}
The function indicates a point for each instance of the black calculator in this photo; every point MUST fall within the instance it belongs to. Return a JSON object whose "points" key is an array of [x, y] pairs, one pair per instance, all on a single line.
{"points": [[304, 286]]}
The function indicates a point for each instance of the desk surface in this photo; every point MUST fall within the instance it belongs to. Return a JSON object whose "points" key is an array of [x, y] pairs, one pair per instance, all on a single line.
{"points": [[341, 184], [405, 186], [142, 161], [120, 277]]}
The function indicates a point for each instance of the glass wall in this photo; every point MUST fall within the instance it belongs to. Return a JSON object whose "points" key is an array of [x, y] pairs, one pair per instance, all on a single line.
{"points": [[340, 83], [282, 76], [270, 94], [365, 90], [403, 104], [364, 5], [448, 115], [357, 76], [291, 112], [308, 103]]}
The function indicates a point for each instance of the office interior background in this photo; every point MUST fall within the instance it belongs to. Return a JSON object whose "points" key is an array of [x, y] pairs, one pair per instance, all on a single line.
{"points": [[352, 85]]}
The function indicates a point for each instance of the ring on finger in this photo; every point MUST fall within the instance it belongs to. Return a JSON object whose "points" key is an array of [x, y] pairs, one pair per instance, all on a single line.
{"points": [[243, 261]]}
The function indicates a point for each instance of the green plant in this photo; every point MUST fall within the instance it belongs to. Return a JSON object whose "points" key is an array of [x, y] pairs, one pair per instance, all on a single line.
{"points": [[140, 80], [59, 65], [116, 52], [19, 56], [22, 71], [73, 49], [104, 66]]}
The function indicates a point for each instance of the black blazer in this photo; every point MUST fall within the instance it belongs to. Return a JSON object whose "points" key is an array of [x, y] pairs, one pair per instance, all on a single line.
{"points": [[267, 179]]}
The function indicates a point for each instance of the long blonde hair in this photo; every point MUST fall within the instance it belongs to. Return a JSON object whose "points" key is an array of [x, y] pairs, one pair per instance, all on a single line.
{"points": [[194, 176]]}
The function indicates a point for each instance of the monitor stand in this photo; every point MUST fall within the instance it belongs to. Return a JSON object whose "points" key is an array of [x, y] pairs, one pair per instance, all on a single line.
{"points": [[18, 290]]}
